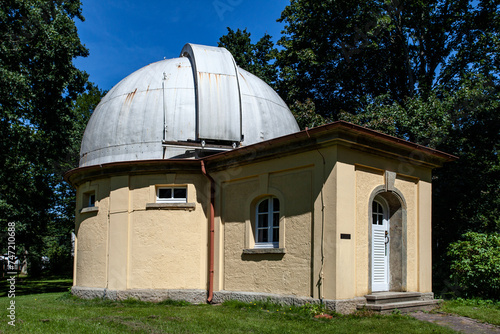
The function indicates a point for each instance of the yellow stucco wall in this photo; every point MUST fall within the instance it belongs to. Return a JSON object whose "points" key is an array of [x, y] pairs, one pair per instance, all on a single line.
{"points": [[347, 189], [345, 218], [168, 248], [366, 181], [273, 273], [323, 193], [418, 264], [126, 246], [424, 236], [408, 188], [92, 237], [292, 180]]}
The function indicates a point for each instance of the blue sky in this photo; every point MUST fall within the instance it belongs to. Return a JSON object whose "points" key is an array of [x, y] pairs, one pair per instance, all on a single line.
{"points": [[124, 35]]}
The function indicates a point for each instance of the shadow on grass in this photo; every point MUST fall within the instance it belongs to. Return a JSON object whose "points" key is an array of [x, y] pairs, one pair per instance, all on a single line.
{"points": [[29, 286]]}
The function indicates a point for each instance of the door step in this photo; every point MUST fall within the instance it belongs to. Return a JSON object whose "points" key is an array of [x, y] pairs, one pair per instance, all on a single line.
{"points": [[404, 302]]}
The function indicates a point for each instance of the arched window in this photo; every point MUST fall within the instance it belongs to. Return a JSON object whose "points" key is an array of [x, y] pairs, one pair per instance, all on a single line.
{"points": [[377, 213], [267, 229]]}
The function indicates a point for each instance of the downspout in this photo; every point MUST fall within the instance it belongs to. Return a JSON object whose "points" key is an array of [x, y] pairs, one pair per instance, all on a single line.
{"points": [[212, 232]]}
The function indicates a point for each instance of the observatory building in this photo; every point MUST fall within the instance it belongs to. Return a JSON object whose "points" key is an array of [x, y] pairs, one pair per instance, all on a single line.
{"points": [[196, 183]]}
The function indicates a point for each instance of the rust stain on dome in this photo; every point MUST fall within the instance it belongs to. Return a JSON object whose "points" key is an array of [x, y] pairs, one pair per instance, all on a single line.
{"points": [[130, 97]]}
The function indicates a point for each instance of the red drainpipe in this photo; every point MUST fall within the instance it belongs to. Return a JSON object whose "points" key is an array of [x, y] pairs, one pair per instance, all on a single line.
{"points": [[212, 231]]}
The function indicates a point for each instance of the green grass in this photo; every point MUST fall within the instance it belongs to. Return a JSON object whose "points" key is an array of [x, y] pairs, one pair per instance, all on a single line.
{"points": [[482, 310], [62, 313], [40, 310], [27, 285]]}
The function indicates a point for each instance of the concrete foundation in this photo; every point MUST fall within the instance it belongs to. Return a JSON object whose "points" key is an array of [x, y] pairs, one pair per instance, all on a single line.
{"points": [[147, 295], [344, 306]]}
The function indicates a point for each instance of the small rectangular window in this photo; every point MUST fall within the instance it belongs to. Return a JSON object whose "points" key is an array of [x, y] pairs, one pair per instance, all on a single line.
{"points": [[164, 193], [88, 199], [171, 195], [180, 193], [91, 200]]}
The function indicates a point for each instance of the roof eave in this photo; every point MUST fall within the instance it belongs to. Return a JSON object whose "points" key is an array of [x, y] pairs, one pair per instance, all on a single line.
{"points": [[339, 132]]}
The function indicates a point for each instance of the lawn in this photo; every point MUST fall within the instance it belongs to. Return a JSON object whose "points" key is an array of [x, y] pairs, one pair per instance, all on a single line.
{"points": [[25, 285], [482, 310], [63, 313], [46, 306]]}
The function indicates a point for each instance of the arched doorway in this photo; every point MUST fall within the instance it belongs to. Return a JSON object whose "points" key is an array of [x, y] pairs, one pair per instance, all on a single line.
{"points": [[380, 245], [387, 239]]}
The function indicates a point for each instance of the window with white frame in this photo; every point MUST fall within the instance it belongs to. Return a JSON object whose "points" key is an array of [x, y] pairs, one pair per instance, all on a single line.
{"points": [[267, 217], [377, 213], [171, 194]]}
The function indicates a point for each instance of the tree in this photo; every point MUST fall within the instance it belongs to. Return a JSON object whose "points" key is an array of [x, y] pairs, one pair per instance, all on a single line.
{"points": [[306, 116], [57, 243], [38, 86], [475, 264], [425, 71], [257, 58], [466, 123], [343, 54]]}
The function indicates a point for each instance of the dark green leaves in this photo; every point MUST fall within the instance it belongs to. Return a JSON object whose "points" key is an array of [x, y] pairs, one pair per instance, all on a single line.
{"points": [[475, 264], [38, 87], [425, 71], [344, 54], [256, 58]]}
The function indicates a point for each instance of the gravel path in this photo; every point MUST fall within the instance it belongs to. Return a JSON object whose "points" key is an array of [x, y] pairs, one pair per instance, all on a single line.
{"points": [[458, 323]]}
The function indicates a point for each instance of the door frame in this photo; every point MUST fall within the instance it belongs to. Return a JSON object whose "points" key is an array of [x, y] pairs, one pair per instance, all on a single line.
{"points": [[385, 227], [396, 194]]}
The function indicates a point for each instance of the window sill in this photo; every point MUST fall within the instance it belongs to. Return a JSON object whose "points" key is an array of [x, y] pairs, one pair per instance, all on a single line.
{"points": [[171, 206], [89, 209], [264, 251]]}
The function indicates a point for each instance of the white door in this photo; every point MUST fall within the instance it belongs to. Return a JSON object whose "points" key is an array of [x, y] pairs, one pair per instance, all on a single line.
{"points": [[380, 247]]}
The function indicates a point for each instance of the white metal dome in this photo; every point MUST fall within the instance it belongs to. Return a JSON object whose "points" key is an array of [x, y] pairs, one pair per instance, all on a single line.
{"points": [[184, 107]]}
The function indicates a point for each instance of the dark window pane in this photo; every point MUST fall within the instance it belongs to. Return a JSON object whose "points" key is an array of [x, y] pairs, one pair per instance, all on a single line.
{"points": [[374, 207], [262, 235], [180, 193], [276, 234], [276, 219], [262, 220], [263, 206], [92, 200], [374, 217], [380, 222], [164, 193], [276, 204]]}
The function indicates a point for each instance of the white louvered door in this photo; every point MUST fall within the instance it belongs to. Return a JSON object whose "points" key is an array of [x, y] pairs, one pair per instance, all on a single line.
{"points": [[380, 248]]}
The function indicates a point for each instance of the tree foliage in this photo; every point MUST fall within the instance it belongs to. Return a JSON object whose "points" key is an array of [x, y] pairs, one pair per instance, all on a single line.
{"points": [[305, 114], [260, 60], [475, 264], [466, 123], [57, 244], [38, 86], [342, 55], [256, 58], [425, 71]]}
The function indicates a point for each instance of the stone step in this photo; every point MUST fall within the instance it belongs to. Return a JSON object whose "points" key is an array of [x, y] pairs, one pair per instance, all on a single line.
{"points": [[403, 307], [392, 297]]}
